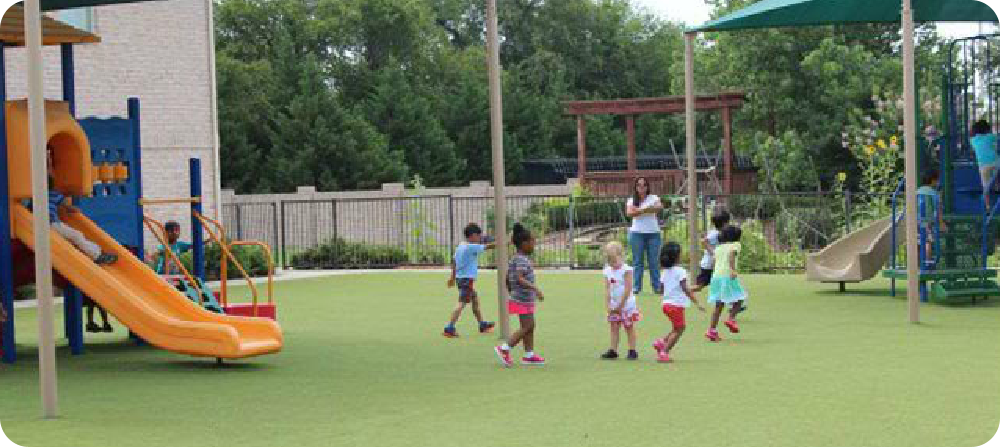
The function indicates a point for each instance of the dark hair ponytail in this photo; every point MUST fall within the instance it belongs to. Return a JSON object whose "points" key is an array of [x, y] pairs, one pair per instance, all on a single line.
{"points": [[520, 235], [731, 233], [670, 255]]}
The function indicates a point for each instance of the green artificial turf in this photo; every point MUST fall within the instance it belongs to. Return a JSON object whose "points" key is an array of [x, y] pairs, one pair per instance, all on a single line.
{"points": [[364, 364]]}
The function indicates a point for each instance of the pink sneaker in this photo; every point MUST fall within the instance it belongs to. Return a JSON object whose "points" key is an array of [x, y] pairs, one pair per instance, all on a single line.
{"points": [[663, 357], [504, 356], [659, 345], [534, 360], [713, 335], [733, 328]]}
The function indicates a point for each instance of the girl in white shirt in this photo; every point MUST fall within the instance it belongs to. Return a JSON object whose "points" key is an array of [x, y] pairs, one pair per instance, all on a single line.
{"points": [[677, 297], [620, 302]]}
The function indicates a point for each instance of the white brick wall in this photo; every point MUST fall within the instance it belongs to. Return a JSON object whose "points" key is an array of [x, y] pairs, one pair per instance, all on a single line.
{"points": [[158, 52]]}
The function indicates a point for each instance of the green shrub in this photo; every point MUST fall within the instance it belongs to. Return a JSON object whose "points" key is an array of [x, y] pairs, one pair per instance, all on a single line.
{"points": [[252, 258], [338, 253]]}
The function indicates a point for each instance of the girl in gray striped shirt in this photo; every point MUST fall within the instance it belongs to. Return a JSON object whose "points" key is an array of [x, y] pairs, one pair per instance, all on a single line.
{"points": [[523, 295]]}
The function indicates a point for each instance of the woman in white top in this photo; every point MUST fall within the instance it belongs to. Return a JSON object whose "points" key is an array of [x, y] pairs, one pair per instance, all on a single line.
{"points": [[644, 236]]}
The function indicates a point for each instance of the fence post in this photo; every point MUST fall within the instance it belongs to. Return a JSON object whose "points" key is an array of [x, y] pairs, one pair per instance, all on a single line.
{"points": [[276, 241], [571, 219], [239, 221], [336, 230], [847, 210], [281, 234], [451, 224]]}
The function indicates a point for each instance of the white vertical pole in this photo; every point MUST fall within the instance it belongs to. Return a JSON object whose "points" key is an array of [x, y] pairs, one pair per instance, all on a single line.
{"points": [[692, 142], [910, 145], [213, 88], [496, 133], [40, 197]]}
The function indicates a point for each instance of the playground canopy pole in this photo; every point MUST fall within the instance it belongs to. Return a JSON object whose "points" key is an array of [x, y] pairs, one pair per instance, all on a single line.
{"points": [[692, 137], [910, 145], [496, 133], [216, 149], [40, 197]]}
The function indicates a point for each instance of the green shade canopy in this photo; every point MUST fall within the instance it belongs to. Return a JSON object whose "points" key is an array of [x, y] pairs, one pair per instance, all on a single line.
{"points": [[783, 13], [54, 5]]}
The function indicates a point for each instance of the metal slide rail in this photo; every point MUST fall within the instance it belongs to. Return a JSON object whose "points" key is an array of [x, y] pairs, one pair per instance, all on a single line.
{"points": [[217, 235]]}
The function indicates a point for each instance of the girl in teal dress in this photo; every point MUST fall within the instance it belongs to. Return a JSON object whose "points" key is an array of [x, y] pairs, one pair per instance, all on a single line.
{"points": [[725, 287]]}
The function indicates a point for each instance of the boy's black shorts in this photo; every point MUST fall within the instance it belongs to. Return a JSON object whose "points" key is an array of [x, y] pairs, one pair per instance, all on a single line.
{"points": [[466, 290]]}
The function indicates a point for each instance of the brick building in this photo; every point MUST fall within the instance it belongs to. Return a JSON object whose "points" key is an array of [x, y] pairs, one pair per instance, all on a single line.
{"points": [[162, 53]]}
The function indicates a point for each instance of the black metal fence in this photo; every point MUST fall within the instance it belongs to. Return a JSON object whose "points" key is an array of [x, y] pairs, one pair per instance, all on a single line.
{"points": [[778, 229]]}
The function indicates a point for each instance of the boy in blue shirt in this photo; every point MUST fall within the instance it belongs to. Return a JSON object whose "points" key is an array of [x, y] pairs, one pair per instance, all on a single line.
{"points": [[464, 270], [163, 264], [984, 142], [930, 211]]}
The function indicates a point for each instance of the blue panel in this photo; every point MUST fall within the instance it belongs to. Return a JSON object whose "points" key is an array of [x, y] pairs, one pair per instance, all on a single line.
{"points": [[6, 263], [968, 187], [113, 205]]}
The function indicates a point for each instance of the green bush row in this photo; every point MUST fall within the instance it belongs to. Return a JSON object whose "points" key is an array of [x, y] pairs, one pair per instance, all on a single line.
{"points": [[252, 258]]}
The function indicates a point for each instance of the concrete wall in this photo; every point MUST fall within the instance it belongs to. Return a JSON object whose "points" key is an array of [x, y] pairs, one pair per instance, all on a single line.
{"points": [[159, 52]]}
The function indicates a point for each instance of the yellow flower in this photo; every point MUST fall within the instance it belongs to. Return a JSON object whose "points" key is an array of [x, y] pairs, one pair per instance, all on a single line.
{"points": [[842, 177], [881, 144], [870, 150]]}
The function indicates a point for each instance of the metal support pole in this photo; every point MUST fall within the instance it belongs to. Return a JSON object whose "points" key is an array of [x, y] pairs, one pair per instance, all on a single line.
{"points": [[910, 145], [6, 247], [68, 78], [197, 234], [39, 195], [692, 142], [135, 174], [73, 308], [496, 137]]}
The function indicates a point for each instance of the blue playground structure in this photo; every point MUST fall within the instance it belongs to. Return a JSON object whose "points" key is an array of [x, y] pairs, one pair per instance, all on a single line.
{"points": [[959, 270], [115, 206]]}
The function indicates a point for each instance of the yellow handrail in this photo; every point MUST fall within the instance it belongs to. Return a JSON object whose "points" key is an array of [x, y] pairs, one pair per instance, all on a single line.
{"points": [[270, 265], [150, 222], [226, 253]]}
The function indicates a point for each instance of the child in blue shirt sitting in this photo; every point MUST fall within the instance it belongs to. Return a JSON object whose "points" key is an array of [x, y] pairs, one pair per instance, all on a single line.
{"points": [[57, 202], [464, 270], [162, 263], [984, 142]]}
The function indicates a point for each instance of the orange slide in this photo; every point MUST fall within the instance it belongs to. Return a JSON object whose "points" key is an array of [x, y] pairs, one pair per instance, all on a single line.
{"points": [[146, 304]]}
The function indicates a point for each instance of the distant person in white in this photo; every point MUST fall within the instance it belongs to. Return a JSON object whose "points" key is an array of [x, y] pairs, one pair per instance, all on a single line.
{"points": [[644, 236]]}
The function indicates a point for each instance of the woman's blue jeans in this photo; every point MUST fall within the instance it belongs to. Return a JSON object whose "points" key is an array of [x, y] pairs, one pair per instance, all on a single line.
{"points": [[645, 248]]}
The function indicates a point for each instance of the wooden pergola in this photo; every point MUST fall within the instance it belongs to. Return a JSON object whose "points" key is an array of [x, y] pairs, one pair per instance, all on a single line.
{"points": [[630, 108]]}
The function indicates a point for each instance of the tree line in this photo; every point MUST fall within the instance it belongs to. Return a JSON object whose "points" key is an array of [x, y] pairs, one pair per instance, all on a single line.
{"points": [[349, 94]]}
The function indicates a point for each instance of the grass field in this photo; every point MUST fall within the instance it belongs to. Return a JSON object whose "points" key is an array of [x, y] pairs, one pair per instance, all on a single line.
{"points": [[364, 365]]}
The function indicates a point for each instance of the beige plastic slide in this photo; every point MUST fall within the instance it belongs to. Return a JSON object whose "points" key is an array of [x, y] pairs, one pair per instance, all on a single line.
{"points": [[145, 303], [857, 257]]}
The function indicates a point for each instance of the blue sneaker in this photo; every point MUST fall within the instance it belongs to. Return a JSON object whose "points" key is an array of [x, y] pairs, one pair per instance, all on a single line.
{"points": [[486, 327], [450, 332]]}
